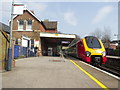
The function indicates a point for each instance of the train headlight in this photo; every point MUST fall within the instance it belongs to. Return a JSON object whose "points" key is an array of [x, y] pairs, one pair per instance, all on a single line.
{"points": [[88, 53], [104, 53]]}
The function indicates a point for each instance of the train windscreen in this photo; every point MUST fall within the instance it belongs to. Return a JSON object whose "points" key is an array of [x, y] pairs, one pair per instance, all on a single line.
{"points": [[93, 42]]}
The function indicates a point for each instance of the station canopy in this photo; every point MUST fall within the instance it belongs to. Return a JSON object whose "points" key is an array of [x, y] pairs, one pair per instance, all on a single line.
{"points": [[58, 38]]}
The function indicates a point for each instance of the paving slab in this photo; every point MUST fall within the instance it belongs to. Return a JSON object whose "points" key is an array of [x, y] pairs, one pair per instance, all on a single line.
{"points": [[46, 72]]}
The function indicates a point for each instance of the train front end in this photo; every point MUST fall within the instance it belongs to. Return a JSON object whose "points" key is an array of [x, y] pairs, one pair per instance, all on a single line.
{"points": [[94, 50]]}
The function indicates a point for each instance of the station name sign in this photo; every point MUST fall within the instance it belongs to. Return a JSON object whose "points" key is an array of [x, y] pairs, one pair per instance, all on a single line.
{"points": [[18, 9]]}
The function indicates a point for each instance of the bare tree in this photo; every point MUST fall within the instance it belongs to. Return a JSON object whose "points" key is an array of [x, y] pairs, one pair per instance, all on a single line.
{"points": [[97, 33], [106, 38]]}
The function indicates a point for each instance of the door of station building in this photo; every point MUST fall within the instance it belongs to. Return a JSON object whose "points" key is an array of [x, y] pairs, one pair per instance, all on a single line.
{"points": [[50, 51]]}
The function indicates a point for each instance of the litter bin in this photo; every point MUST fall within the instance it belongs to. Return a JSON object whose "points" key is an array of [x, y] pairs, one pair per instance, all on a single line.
{"points": [[8, 65]]}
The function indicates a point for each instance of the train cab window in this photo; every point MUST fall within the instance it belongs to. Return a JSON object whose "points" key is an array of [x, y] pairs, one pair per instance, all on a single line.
{"points": [[93, 42]]}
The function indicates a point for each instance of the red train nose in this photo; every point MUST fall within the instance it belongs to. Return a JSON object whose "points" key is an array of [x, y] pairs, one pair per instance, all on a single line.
{"points": [[104, 60], [88, 59]]}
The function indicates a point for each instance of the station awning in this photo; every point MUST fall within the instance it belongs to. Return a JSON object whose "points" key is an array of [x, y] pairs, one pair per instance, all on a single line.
{"points": [[55, 38], [56, 35]]}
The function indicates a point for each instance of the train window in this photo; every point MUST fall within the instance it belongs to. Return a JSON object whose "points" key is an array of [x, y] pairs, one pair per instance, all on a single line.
{"points": [[93, 42], [81, 43]]}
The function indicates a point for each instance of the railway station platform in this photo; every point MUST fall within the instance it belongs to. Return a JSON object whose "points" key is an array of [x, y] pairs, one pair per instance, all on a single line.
{"points": [[56, 72]]}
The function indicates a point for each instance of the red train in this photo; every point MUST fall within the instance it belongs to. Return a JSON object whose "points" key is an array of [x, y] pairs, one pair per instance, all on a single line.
{"points": [[90, 49]]}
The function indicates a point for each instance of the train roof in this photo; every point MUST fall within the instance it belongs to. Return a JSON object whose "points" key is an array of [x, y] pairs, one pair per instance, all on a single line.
{"points": [[75, 41], [90, 37]]}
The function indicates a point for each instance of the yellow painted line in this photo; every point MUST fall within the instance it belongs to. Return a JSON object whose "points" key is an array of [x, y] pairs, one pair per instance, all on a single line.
{"points": [[94, 79]]}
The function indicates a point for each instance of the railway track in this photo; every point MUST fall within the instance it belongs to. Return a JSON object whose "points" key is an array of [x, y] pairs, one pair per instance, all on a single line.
{"points": [[108, 68], [112, 65]]}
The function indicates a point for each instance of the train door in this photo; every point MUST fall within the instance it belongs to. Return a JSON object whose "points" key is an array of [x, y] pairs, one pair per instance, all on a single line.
{"points": [[78, 50], [81, 50], [50, 51]]}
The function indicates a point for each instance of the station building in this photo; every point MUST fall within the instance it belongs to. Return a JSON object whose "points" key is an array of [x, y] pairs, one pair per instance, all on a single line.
{"points": [[29, 31]]}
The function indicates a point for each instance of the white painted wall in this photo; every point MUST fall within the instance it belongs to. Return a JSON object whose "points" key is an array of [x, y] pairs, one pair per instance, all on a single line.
{"points": [[25, 41], [36, 43]]}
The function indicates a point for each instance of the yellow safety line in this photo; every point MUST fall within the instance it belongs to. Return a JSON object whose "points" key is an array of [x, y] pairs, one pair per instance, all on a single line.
{"points": [[94, 79]]}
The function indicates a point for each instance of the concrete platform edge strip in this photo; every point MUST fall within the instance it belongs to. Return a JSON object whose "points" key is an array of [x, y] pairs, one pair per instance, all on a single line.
{"points": [[102, 70], [94, 79]]}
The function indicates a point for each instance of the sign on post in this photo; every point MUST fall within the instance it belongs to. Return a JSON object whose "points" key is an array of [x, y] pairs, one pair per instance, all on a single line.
{"points": [[18, 9]]}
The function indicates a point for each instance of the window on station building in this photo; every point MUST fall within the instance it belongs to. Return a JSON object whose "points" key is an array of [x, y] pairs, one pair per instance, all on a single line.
{"points": [[18, 42], [32, 43], [29, 25], [20, 24]]}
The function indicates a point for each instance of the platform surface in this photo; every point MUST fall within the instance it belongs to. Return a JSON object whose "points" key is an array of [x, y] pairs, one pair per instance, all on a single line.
{"points": [[53, 72]]}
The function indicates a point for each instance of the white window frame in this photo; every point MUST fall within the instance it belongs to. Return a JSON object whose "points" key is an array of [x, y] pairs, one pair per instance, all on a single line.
{"points": [[28, 27], [20, 27]]}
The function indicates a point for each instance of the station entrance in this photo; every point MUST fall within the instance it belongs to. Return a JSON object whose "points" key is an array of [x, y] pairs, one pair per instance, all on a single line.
{"points": [[52, 43]]}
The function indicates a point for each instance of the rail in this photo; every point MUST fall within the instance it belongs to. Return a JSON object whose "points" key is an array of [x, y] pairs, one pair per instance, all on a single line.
{"points": [[113, 63], [113, 57]]}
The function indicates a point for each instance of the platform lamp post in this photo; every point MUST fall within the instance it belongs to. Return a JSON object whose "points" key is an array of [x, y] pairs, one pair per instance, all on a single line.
{"points": [[119, 28], [9, 62], [17, 9]]}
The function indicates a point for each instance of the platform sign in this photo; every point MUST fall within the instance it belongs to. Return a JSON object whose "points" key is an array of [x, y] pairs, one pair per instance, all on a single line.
{"points": [[18, 9], [56, 34]]}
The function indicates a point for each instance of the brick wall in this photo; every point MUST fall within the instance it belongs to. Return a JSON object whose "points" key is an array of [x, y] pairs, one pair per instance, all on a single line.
{"points": [[32, 35], [42, 29], [36, 27], [26, 16]]}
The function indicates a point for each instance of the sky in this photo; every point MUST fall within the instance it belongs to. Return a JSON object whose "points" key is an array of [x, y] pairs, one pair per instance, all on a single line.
{"points": [[74, 17]]}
